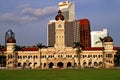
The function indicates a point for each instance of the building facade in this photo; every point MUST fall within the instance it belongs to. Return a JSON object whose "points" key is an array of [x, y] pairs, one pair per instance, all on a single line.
{"points": [[59, 56], [60, 52]]}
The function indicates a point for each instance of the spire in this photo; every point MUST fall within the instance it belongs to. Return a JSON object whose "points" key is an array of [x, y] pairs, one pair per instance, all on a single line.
{"points": [[59, 12], [108, 34]]}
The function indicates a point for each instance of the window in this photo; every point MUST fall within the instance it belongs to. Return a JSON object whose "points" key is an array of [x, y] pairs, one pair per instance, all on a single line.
{"points": [[9, 56], [89, 56], [109, 55]]}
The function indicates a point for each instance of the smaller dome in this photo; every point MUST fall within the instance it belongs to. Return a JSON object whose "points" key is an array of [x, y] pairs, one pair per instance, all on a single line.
{"points": [[59, 16], [108, 39], [11, 40]]}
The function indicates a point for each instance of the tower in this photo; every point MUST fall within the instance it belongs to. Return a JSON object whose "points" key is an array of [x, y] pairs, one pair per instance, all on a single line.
{"points": [[68, 31], [10, 45], [108, 54], [11, 57], [85, 38], [71, 26], [67, 9], [8, 34], [59, 31]]}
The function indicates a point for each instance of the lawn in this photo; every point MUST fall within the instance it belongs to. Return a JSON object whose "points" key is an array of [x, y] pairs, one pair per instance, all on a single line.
{"points": [[71, 74]]}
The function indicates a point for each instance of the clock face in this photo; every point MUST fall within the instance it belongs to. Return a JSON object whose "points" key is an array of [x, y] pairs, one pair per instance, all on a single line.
{"points": [[59, 26]]}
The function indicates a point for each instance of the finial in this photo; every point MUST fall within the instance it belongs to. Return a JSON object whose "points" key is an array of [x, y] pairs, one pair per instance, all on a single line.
{"points": [[59, 12], [108, 34]]}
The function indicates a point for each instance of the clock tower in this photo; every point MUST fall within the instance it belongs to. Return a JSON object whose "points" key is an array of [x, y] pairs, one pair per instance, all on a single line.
{"points": [[108, 55], [59, 31]]}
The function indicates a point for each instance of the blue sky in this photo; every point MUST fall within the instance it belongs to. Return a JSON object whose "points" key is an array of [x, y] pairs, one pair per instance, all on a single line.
{"points": [[28, 18]]}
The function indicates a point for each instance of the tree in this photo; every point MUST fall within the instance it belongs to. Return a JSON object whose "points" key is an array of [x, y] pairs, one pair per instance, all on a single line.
{"points": [[2, 57], [40, 46], [78, 46], [16, 49], [102, 41], [117, 58]]}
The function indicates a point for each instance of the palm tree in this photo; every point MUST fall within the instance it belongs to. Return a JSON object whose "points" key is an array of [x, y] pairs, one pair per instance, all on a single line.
{"points": [[78, 47], [117, 58], [40, 46], [2, 56], [1, 60], [101, 40], [16, 49]]}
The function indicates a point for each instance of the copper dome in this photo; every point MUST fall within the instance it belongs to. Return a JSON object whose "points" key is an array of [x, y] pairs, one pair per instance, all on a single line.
{"points": [[11, 40], [59, 16], [108, 39]]}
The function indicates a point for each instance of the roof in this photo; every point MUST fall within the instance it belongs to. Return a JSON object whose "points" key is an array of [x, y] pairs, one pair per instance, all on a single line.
{"points": [[86, 49], [30, 49], [4, 49], [84, 21], [59, 16], [11, 40], [116, 48], [93, 48], [108, 39], [98, 48]]}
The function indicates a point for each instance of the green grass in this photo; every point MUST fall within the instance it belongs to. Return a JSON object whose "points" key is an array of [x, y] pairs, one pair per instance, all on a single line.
{"points": [[80, 74]]}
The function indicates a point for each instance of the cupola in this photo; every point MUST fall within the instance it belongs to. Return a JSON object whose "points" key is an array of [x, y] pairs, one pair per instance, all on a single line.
{"points": [[11, 40], [108, 39], [59, 16]]}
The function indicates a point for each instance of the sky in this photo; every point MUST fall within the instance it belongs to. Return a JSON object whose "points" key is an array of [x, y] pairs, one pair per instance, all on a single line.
{"points": [[28, 19]]}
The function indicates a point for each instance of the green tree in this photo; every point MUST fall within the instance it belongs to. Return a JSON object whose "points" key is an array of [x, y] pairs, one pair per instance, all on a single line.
{"points": [[16, 49], [2, 57], [78, 46], [117, 58], [101, 40], [40, 46]]}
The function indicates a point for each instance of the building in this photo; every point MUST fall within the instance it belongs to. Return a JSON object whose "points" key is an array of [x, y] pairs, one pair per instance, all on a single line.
{"points": [[67, 9], [95, 37], [71, 31], [59, 56], [78, 29], [8, 34], [71, 26], [60, 52], [85, 37]]}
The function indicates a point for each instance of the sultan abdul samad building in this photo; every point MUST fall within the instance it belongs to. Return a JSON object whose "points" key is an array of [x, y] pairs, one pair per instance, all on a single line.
{"points": [[62, 33]]}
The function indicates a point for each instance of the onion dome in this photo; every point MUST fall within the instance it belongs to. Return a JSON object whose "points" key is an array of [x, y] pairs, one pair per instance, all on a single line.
{"points": [[59, 16], [11, 40], [108, 39]]}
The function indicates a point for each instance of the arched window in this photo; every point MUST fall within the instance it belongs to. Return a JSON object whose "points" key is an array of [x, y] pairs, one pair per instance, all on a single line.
{"points": [[100, 63], [9, 56], [21, 57], [18, 57], [84, 64], [90, 63], [95, 64], [28, 57]]}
